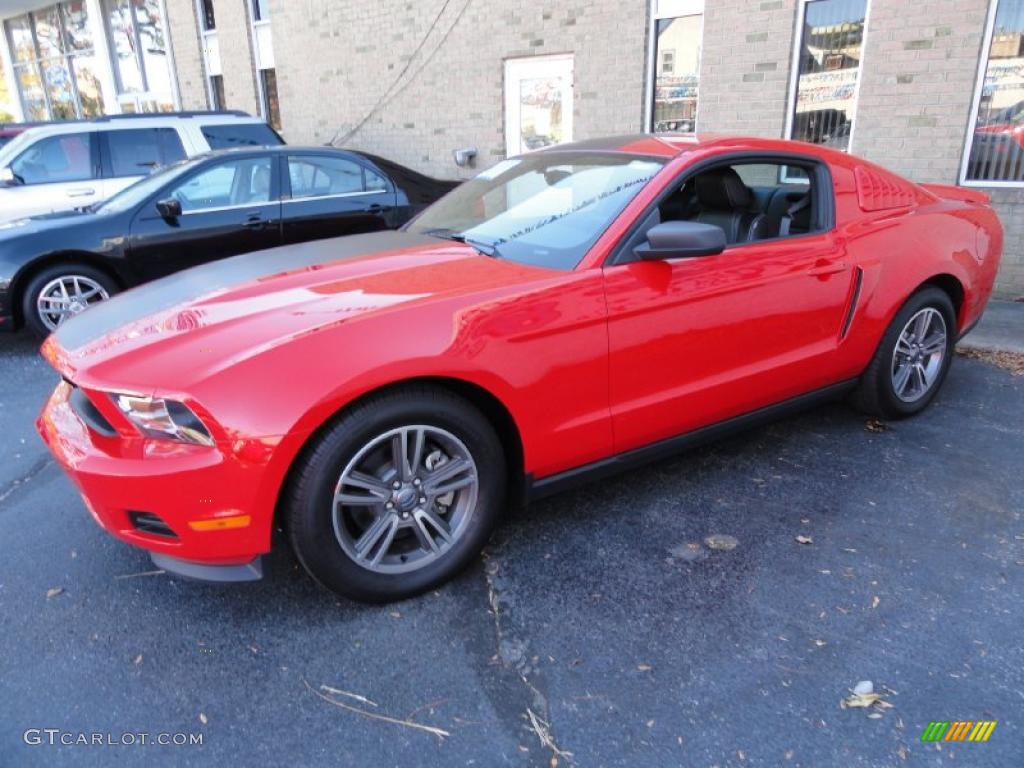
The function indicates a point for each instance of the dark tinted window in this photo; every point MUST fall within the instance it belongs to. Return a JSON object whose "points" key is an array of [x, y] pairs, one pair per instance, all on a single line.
{"points": [[240, 135], [139, 151], [319, 176], [209, 21], [54, 159]]}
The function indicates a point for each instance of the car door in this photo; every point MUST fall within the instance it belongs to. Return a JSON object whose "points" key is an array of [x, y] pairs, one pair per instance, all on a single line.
{"points": [[694, 341], [329, 195], [54, 173], [129, 154], [228, 207]]}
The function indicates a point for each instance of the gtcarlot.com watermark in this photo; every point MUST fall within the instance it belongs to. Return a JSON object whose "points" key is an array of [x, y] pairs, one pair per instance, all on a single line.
{"points": [[55, 736]]}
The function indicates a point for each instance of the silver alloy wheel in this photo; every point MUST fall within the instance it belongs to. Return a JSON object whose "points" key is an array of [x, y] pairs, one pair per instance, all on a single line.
{"points": [[919, 355], [65, 296], [405, 499]]}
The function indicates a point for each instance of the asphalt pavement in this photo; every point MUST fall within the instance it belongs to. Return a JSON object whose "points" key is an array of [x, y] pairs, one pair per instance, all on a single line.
{"points": [[600, 629]]}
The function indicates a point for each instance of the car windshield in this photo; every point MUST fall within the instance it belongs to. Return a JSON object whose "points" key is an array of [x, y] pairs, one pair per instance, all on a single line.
{"points": [[143, 188], [545, 209]]}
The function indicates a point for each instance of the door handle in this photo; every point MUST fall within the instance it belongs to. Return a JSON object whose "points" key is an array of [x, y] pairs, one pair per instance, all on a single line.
{"points": [[82, 192], [378, 208], [255, 221], [827, 269]]}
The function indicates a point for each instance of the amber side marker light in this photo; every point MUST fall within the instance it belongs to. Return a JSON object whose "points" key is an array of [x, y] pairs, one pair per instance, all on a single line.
{"points": [[220, 523]]}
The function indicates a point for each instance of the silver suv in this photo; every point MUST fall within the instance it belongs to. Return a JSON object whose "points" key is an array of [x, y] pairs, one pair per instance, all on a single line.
{"points": [[59, 166]]}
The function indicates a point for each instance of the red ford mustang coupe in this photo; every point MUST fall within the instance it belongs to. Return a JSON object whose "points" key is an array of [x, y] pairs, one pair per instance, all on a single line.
{"points": [[384, 397]]}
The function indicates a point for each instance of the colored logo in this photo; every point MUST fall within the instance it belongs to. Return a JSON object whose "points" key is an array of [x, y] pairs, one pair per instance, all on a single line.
{"points": [[958, 730]]}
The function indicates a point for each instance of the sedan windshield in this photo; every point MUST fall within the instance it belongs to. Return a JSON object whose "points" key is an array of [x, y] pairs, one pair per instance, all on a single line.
{"points": [[143, 188], [545, 209]]}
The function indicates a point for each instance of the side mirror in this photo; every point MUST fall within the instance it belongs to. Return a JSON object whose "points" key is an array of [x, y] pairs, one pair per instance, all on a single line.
{"points": [[7, 178], [169, 209], [681, 240]]}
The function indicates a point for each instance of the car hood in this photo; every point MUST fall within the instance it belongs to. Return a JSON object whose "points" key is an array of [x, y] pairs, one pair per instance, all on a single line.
{"points": [[197, 322], [62, 220]]}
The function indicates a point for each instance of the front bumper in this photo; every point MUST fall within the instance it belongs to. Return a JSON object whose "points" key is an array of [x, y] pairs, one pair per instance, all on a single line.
{"points": [[190, 488]]}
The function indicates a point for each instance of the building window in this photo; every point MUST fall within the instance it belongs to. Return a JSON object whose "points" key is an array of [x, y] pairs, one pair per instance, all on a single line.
{"points": [[55, 67], [538, 102], [995, 145], [260, 10], [217, 92], [142, 66], [271, 105], [676, 31], [206, 18], [827, 69]]}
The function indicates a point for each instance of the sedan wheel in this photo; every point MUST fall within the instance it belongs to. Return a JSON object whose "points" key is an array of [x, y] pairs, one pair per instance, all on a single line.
{"points": [[397, 495], [65, 296], [61, 291]]}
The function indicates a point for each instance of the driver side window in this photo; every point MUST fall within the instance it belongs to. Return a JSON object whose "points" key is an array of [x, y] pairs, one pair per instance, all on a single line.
{"points": [[227, 185], [55, 159]]}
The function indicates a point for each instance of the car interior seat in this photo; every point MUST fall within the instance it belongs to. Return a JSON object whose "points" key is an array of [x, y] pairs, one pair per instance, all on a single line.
{"points": [[726, 202]]}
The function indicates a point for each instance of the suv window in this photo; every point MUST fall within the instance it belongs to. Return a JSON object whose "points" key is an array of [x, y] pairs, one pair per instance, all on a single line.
{"points": [[229, 135], [238, 182], [320, 176], [55, 159], [139, 151]]}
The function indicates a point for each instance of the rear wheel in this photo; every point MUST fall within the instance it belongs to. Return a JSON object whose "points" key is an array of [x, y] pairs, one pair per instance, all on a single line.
{"points": [[62, 291], [912, 359], [397, 496]]}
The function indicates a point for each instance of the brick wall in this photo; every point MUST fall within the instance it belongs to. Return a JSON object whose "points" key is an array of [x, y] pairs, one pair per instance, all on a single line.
{"points": [[452, 95], [185, 42], [745, 66], [236, 61], [338, 59]]}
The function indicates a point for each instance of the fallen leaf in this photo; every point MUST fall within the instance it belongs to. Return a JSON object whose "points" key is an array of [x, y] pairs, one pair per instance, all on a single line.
{"points": [[721, 541], [644, 667], [395, 615], [53, 592], [864, 687], [875, 601], [876, 425], [820, 643], [801, 539], [650, 723], [138, 660], [203, 718]]}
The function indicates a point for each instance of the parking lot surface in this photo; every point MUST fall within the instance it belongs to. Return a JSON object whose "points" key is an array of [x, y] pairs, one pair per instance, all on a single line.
{"points": [[711, 609]]}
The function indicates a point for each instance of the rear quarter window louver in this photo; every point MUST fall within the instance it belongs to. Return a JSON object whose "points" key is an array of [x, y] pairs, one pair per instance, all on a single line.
{"points": [[878, 192]]}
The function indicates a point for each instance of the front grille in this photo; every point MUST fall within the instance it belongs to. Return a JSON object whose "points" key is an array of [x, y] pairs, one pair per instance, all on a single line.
{"points": [[89, 413], [147, 522]]}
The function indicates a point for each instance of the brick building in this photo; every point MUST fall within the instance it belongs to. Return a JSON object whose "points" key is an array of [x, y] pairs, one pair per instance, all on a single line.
{"points": [[932, 89]]}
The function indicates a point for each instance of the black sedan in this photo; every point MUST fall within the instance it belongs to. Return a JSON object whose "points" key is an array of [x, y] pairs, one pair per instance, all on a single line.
{"points": [[209, 207]]}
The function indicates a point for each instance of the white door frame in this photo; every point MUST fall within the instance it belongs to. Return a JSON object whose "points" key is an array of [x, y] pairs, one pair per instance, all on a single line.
{"points": [[538, 66]]}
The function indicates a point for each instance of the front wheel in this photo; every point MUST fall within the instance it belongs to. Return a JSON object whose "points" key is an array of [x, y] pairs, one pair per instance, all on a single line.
{"points": [[912, 359], [61, 291], [397, 496]]}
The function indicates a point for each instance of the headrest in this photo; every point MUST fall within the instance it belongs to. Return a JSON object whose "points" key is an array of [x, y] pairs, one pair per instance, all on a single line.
{"points": [[722, 189]]}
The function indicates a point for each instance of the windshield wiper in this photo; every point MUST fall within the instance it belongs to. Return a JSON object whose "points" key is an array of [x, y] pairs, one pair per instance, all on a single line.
{"points": [[487, 249]]}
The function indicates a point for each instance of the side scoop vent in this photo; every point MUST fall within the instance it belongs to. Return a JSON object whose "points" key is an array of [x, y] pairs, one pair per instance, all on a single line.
{"points": [[876, 192]]}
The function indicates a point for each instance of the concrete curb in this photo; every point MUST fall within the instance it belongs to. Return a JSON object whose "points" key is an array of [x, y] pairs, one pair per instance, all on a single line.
{"points": [[1001, 329]]}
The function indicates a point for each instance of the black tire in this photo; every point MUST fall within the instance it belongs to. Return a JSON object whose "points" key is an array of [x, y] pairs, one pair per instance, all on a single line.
{"points": [[34, 321], [876, 393], [308, 509]]}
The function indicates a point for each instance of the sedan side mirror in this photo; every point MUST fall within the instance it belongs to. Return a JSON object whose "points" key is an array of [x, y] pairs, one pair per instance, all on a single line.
{"points": [[7, 178], [169, 209], [681, 240]]}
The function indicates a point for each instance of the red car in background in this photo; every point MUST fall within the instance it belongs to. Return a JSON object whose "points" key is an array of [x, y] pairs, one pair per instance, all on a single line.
{"points": [[9, 130], [384, 397]]}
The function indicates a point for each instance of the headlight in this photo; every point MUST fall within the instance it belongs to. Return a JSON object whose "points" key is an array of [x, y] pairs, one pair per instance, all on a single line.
{"points": [[168, 419]]}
